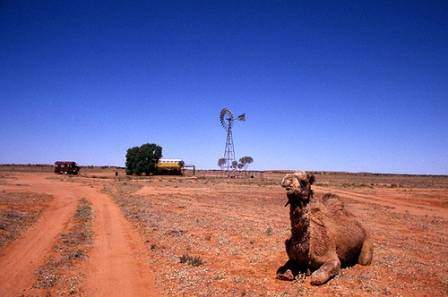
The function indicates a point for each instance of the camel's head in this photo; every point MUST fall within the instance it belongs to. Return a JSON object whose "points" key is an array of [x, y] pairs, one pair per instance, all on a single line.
{"points": [[298, 185]]}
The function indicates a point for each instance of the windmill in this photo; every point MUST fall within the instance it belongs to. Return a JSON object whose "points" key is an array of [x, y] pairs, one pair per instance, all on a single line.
{"points": [[227, 119]]}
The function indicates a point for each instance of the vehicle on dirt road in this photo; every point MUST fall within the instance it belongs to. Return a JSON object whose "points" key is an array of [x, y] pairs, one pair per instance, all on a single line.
{"points": [[66, 167]]}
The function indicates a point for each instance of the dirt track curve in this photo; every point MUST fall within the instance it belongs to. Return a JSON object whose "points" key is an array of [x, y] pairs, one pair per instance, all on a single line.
{"points": [[117, 262], [116, 265]]}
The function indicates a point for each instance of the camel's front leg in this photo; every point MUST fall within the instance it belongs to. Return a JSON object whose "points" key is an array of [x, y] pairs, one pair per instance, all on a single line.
{"points": [[365, 257], [328, 270]]}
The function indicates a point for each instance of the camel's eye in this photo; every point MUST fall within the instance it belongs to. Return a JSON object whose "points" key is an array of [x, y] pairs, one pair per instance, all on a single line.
{"points": [[303, 183]]}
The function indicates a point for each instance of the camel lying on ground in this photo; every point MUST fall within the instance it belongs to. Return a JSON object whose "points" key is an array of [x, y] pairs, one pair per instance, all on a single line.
{"points": [[324, 235]]}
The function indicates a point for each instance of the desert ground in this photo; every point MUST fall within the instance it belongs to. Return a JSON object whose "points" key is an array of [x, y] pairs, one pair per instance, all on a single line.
{"points": [[207, 235]]}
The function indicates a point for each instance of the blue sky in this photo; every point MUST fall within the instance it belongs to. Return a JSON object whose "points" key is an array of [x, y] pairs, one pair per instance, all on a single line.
{"points": [[347, 86]]}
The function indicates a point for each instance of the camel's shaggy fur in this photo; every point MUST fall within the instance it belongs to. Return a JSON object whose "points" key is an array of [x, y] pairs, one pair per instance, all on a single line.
{"points": [[324, 235]]}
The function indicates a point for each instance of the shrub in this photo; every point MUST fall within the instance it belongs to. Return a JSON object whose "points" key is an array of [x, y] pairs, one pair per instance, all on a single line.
{"points": [[143, 159], [191, 260]]}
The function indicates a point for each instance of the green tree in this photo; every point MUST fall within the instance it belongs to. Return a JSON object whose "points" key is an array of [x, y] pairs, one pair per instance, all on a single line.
{"points": [[246, 160], [222, 163], [131, 160], [143, 159]]}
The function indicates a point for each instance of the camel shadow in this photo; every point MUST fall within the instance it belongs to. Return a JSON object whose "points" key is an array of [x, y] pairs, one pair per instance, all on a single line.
{"points": [[291, 269]]}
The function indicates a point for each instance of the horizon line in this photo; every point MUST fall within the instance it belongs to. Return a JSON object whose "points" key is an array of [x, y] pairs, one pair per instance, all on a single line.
{"points": [[258, 170]]}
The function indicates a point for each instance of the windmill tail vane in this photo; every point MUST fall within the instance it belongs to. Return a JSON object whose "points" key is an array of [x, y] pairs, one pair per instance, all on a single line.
{"points": [[242, 117]]}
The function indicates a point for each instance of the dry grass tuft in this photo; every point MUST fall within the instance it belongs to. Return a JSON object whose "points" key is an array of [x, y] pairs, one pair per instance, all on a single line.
{"points": [[57, 275], [18, 211], [191, 260]]}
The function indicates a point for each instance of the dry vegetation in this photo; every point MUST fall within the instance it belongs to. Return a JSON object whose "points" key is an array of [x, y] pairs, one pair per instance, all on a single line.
{"points": [[237, 229], [211, 236], [58, 276], [19, 210]]}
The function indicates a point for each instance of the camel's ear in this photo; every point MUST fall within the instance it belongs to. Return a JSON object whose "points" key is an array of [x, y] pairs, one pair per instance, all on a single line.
{"points": [[311, 179]]}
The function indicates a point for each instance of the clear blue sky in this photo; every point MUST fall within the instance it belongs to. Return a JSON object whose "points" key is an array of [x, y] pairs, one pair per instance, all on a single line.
{"points": [[359, 86]]}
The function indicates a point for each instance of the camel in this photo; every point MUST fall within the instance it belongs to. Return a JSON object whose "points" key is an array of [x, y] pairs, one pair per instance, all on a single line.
{"points": [[324, 235]]}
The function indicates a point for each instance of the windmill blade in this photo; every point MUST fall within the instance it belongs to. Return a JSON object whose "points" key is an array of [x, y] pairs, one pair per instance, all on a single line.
{"points": [[242, 117], [226, 117]]}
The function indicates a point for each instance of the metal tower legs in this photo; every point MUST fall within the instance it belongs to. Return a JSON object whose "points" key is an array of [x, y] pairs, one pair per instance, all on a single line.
{"points": [[229, 153]]}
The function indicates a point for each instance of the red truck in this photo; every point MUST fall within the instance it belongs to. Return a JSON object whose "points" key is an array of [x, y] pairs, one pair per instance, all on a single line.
{"points": [[66, 167]]}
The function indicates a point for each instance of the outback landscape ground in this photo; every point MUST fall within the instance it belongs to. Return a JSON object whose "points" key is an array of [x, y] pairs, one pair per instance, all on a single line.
{"points": [[206, 235]]}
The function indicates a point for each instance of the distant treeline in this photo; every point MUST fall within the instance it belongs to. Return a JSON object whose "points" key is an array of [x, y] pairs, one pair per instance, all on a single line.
{"points": [[45, 167], [48, 167]]}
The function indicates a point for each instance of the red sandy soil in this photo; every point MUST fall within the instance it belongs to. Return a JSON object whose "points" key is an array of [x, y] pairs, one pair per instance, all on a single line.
{"points": [[59, 276], [238, 227], [19, 259], [116, 265], [233, 232]]}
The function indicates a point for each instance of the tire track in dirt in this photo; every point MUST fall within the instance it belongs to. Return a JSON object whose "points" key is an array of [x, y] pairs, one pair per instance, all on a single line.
{"points": [[20, 259], [117, 264]]}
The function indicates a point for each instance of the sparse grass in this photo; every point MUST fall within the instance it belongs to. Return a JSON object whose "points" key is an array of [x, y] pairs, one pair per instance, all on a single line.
{"points": [[72, 246], [241, 228], [18, 211], [191, 260]]}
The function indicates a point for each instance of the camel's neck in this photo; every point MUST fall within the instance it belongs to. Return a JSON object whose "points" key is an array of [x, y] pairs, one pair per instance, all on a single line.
{"points": [[299, 213]]}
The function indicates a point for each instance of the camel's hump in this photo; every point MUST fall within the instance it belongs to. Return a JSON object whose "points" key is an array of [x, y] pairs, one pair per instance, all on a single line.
{"points": [[333, 203]]}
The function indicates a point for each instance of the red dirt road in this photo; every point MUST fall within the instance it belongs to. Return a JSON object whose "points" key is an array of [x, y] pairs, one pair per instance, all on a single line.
{"points": [[20, 259], [116, 265], [234, 228]]}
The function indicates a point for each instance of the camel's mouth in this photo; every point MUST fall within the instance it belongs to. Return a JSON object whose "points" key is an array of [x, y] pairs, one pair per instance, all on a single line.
{"points": [[290, 189]]}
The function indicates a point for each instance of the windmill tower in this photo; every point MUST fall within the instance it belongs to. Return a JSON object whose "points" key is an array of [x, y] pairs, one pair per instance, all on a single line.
{"points": [[227, 119]]}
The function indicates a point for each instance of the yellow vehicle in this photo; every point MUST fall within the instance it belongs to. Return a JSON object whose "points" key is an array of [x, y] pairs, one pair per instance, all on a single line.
{"points": [[170, 166]]}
